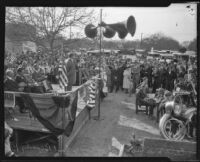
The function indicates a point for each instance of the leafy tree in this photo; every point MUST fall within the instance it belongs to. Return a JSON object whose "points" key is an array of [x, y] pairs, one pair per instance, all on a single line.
{"points": [[182, 50], [193, 45], [160, 42]]}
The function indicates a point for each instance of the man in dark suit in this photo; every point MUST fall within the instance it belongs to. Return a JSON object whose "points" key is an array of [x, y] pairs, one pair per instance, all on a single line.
{"points": [[71, 71], [149, 75], [115, 77], [22, 81], [171, 79], [142, 98], [9, 82], [11, 85]]}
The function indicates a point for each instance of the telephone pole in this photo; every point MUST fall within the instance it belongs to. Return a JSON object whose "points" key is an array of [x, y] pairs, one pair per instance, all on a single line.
{"points": [[141, 41]]}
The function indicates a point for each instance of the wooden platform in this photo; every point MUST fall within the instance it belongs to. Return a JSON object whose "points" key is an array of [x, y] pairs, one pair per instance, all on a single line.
{"points": [[22, 121]]}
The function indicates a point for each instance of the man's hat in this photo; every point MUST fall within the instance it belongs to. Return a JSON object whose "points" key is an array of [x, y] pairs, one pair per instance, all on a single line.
{"points": [[168, 93], [9, 71], [19, 69]]}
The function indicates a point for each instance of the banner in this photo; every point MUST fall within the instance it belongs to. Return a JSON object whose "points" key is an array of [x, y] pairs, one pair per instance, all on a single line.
{"points": [[56, 113], [9, 100]]}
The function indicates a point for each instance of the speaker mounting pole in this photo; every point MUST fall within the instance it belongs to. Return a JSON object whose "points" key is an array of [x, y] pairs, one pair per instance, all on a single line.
{"points": [[100, 41], [99, 77]]}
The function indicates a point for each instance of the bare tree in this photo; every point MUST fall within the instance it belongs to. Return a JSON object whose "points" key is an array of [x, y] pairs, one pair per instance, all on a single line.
{"points": [[49, 21]]}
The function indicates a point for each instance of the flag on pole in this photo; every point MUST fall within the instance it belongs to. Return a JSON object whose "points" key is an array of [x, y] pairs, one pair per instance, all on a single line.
{"points": [[63, 81]]}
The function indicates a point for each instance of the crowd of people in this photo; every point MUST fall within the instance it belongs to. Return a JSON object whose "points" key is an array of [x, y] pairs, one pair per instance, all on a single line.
{"points": [[121, 73], [128, 75]]}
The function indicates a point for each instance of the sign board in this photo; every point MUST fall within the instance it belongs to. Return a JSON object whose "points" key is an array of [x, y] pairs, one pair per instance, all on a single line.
{"points": [[9, 99], [56, 87]]}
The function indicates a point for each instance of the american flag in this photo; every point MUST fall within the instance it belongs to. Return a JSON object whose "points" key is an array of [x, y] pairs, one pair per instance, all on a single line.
{"points": [[92, 95], [11, 59], [63, 81], [30, 69]]}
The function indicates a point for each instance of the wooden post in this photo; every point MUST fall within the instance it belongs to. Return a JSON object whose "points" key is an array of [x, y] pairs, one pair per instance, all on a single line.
{"points": [[16, 138], [61, 137]]}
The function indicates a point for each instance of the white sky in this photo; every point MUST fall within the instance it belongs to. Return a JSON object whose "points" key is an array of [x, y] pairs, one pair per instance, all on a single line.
{"points": [[175, 21]]}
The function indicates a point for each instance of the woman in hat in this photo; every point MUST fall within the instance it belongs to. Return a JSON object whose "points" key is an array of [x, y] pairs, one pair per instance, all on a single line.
{"points": [[127, 82]]}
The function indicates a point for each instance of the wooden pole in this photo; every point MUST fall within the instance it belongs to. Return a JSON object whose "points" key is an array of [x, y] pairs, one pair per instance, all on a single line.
{"points": [[99, 79], [61, 137]]}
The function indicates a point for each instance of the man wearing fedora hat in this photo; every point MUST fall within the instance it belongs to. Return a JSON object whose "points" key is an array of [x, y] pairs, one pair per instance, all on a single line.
{"points": [[71, 71]]}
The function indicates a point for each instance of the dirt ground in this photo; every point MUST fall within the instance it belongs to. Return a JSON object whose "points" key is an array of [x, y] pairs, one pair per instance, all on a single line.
{"points": [[119, 121]]}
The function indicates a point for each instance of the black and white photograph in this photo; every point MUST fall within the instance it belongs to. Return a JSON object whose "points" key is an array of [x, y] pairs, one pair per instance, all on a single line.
{"points": [[101, 81]]}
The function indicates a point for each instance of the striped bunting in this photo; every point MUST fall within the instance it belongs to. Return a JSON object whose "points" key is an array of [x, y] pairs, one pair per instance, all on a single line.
{"points": [[55, 113], [92, 95], [63, 81]]}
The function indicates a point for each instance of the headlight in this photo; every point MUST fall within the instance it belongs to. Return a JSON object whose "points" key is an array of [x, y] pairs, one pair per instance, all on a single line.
{"points": [[169, 107], [177, 109]]}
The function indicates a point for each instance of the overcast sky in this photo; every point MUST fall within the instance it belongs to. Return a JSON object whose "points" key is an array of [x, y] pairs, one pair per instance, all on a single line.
{"points": [[175, 21]]}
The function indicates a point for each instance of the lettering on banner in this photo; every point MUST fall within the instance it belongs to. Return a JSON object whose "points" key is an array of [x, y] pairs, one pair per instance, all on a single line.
{"points": [[9, 99]]}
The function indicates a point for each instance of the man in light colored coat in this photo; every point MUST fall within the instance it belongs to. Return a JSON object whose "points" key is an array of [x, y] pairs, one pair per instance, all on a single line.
{"points": [[71, 71]]}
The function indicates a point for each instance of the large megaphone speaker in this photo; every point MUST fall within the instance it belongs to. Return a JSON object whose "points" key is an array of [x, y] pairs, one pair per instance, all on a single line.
{"points": [[90, 31], [122, 28], [108, 32]]}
